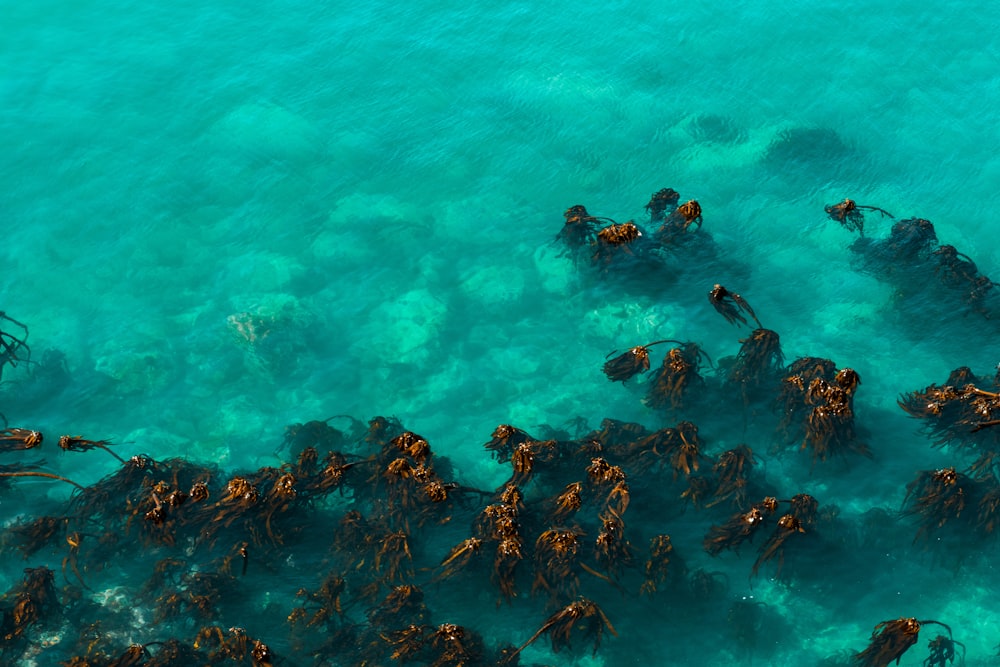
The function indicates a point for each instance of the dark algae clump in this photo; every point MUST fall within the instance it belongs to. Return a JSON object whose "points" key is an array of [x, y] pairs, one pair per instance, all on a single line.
{"points": [[362, 543]]}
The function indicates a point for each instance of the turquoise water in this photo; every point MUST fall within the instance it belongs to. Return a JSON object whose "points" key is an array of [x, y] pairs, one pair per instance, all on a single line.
{"points": [[381, 186]]}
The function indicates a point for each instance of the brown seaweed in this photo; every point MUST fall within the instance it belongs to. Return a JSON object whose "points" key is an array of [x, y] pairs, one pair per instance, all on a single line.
{"points": [[731, 306]]}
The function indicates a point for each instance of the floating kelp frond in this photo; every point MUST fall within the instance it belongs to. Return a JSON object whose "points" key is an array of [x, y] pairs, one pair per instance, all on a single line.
{"points": [[16, 439], [739, 528], [730, 304], [669, 389], [661, 203], [30, 470], [849, 214], [580, 617], [13, 350], [890, 640], [630, 363], [678, 223], [759, 359], [580, 229], [75, 443]]}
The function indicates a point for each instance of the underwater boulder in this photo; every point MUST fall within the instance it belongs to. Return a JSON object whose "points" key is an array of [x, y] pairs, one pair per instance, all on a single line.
{"points": [[404, 329], [272, 332], [807, 145], [715, 128], [266, 130], [137, 366]]}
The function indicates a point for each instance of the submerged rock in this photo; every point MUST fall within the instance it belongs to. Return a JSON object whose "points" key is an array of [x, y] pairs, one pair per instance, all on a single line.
{"points": [[267, 130], [812, 145], [716, 128]]}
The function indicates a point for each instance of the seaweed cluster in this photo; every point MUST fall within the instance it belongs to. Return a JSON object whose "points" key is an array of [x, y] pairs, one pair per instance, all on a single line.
{"points": [[910, 259], [584, 527], [627, 248], [960, 416], [200, 541], [812, 398], [891, 639]]}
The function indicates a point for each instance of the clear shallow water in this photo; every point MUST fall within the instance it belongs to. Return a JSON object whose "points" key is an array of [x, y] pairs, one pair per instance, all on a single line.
{"points": [[385, 182]]}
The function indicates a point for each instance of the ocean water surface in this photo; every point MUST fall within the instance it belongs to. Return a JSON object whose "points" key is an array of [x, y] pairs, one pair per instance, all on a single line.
{"points": [[222, 219]]}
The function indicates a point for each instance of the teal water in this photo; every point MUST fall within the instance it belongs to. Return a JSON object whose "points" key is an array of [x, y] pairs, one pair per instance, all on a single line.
{"points": [[382, 184]]}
